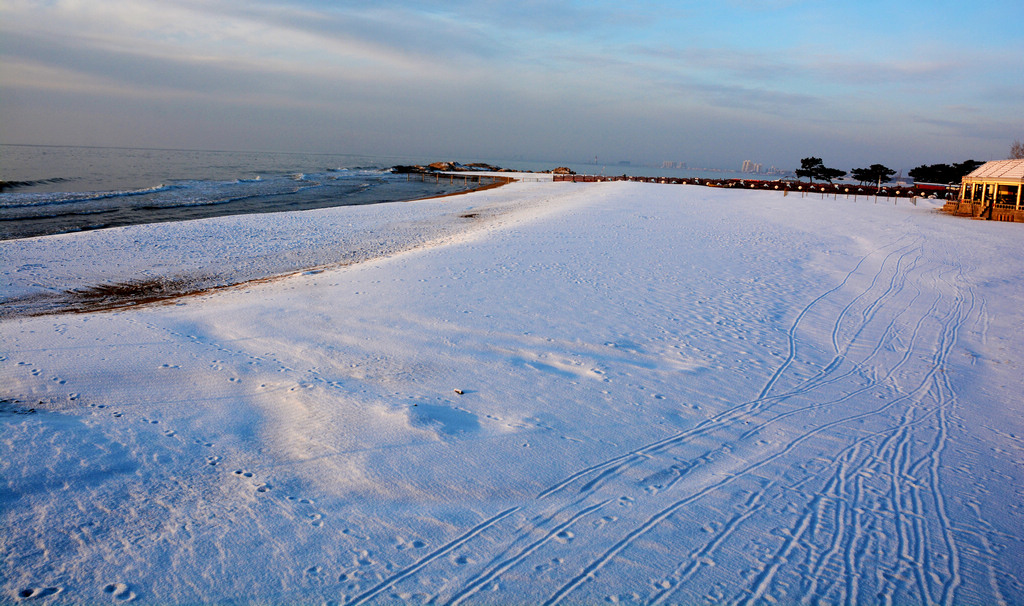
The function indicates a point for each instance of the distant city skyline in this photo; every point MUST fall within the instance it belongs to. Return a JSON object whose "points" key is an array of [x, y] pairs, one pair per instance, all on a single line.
{"points": [[706, 83]]}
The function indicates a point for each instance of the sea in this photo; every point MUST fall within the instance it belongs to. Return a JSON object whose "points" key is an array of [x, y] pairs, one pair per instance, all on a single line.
{"points": [[47, 190]]}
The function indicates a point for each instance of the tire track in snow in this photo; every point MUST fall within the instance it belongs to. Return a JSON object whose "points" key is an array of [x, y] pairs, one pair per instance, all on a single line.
{"points": [[937, 387], [420, 564], [487, 576], [933, 385], [613, 466], [990, 554], [849, 306], [872, 383], [701, 556], [590, 569], [854, 554], [934, 454], [899, 444], [791, 333]]}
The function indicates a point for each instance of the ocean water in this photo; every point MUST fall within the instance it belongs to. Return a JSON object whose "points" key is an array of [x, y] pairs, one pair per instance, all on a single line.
{"points": [[51, 190]]}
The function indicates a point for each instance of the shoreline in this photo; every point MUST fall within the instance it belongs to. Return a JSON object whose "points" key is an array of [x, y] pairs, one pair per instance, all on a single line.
{"points": [[495, 185], [145, 293], [28, 216], [137, 292]]}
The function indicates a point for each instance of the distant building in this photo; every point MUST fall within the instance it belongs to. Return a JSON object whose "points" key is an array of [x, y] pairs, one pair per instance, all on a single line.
{"points": [[750, 166], [993, 190]]}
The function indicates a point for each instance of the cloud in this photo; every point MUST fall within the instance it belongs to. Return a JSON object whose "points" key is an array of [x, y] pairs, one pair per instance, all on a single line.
{"points": [[185, 33], [984, 128], [796, 65], [487, 74]]}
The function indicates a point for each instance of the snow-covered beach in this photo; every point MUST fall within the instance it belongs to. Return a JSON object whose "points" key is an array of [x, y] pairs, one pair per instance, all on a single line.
{"points": [[544, 393]]}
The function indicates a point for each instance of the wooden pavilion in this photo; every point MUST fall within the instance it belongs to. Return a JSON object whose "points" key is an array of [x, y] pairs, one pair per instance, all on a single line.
{"points": [[994, 190]]}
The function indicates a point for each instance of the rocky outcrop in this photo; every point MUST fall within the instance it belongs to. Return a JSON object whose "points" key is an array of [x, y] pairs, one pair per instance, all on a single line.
{"points": [[447, 167]]}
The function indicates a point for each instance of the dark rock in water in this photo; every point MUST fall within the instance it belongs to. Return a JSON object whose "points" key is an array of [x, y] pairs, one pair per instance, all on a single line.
{"points": [[447, 167], [450, 167]]}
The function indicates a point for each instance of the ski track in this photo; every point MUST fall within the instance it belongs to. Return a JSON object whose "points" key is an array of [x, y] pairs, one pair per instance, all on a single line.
{"points": [[878, 513]]}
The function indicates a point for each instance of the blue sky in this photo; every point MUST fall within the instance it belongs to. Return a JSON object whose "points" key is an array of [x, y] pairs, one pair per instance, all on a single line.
{"points": [[708, 83]]}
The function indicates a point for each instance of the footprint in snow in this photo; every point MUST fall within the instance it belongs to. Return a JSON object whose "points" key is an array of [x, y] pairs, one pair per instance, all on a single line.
{"points": [[363, 558], [30, 593], [548, 565], [401, 543], [120, 592], [241, 473]]}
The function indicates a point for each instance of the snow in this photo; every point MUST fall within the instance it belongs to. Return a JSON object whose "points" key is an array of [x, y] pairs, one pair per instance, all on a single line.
{"points": [[670, 394]]}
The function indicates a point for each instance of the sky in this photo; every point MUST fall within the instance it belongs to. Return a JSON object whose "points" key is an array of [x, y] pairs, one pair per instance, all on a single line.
{"points": [[715, 83]]}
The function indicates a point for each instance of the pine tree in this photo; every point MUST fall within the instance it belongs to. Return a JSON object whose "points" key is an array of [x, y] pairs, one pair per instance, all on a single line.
{"points": [[813, 168], [876, 173], [809, 168]]}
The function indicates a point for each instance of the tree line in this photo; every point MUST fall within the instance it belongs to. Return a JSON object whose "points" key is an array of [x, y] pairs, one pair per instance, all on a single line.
{"points": [[814, 168]]}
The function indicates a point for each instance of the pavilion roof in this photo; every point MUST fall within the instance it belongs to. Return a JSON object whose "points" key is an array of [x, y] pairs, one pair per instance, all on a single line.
{"points": [[1002, 170]]}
